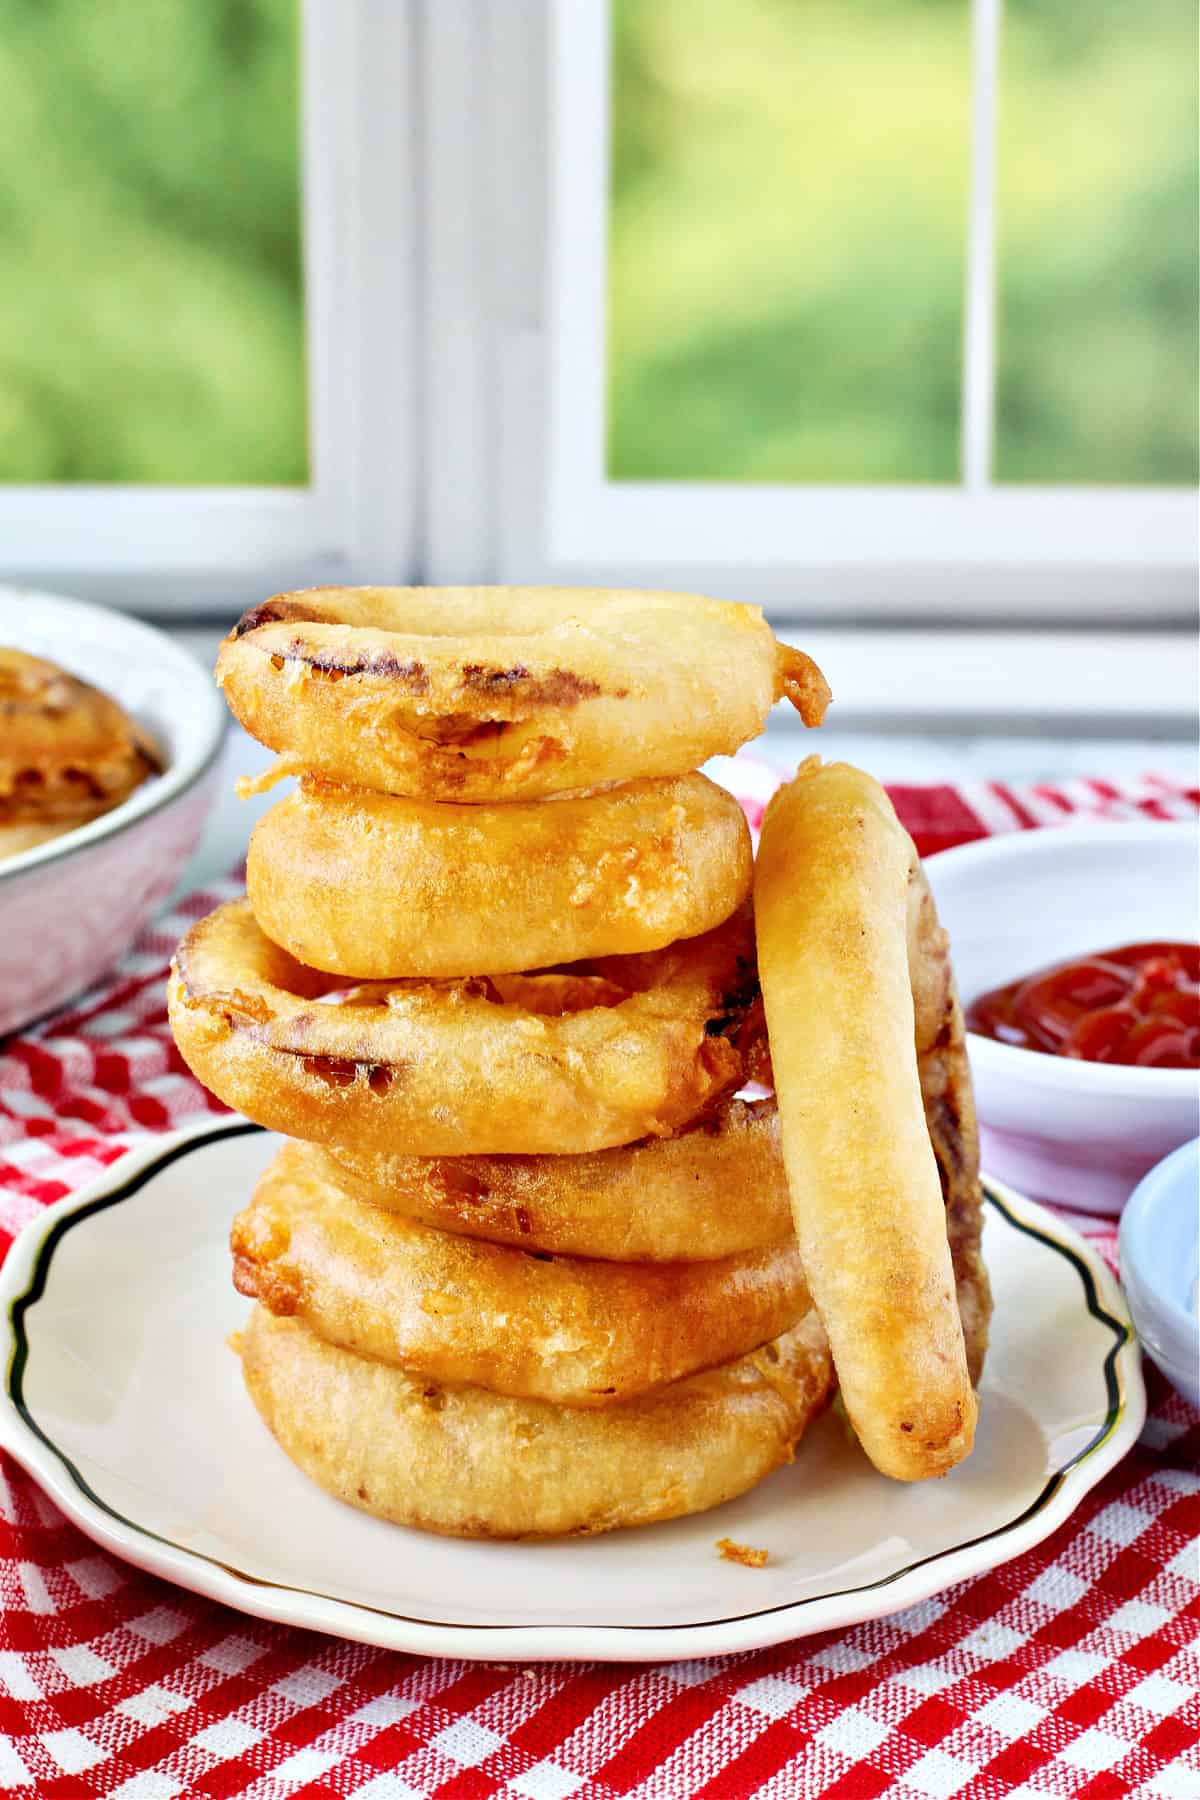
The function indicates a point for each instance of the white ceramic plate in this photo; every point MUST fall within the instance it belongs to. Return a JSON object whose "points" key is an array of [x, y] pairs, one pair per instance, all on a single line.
{"points": [[125, 1403]]}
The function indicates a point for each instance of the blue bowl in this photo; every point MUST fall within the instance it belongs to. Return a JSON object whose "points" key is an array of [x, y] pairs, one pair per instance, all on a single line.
{"points": [[1160, 1265]]}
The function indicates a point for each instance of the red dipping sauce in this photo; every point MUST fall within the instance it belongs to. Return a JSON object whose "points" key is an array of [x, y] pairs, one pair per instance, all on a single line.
{"points": [[1138, 1005]]}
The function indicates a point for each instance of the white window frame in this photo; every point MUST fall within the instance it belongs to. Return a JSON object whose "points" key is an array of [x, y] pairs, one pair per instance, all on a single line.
{"points": [[196, 549], [1016, 552]]}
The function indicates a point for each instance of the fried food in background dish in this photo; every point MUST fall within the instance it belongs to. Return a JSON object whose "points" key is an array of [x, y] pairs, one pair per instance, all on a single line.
{"points": [[469, 1463], [537, 1326], [481, 694], [67, 752], [716, 1190], [600, 1053], [370, 885], [833, 889]]}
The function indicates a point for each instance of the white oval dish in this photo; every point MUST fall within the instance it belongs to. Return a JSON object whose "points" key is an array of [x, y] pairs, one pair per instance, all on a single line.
{"points": [[126, 1405], [70, 908], [1081, 1134]]}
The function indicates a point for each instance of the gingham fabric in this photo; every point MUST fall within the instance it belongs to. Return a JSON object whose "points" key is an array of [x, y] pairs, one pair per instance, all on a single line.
{"points": [[1074, 1670]]}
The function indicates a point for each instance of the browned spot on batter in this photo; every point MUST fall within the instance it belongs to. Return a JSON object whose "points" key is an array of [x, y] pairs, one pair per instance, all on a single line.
{"points": [[524, 1222], [459, 1183], [451, 729], [384, 664], [235, 1006], [334, 1071], [945, 1132], [276, 612], [381, 1077], [414, 675], [280, 1291], [561, 687]]}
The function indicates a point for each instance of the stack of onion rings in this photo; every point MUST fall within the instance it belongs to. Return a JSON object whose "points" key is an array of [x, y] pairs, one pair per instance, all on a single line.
{"points": [[531, 1268]]}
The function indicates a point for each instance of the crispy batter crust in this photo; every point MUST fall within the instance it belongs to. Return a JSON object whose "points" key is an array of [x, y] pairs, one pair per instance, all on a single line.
{"points": [[833, 882], [467, 1463], [478, 694], [602, 1053], [561, 1328], [715, 1190], [370, 885]]}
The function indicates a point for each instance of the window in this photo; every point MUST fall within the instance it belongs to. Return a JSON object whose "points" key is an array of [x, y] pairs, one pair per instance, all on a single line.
{"points": [[205, 321], [883, 311], [894, 304], [153, 313], [788, 242]]}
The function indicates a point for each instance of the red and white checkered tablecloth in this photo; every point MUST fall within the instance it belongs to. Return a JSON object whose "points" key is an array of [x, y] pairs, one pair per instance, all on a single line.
{"points": [[1074, 1670]]}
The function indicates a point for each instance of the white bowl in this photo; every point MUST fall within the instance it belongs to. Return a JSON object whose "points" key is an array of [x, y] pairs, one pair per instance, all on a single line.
{"points": [[69, 909], [1160, 1266], [1082, 1134]]}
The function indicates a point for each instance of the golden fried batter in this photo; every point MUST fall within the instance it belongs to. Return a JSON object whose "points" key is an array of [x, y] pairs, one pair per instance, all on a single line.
{"points": [[561, 1328], [717, 1189], [598, 1054], [67, 752], [833, 886], [369, 885], [479, 694], [467, 1463]]}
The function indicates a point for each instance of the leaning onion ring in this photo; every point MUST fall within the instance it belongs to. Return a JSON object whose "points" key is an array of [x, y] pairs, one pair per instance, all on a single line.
{"points": [[475, 694], [834, 889], [564, 1061], [542, 1327], [370, 885], [467, 1463]]}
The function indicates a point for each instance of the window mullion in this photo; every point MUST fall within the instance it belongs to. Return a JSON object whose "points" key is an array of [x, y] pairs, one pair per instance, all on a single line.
{"points": [[979, 332]]}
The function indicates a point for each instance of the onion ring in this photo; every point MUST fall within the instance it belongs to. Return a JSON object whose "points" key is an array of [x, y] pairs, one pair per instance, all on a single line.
{"points": [[565, 1061], [537, 1326], [716, 1190], [467, 1463], [949, 1101], [369, 885], [832, 896], [68, 753], [478, 694]]}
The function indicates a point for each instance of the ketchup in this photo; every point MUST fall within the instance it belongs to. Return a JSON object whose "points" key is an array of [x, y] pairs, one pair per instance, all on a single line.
{"points": [[1138, 1005]]}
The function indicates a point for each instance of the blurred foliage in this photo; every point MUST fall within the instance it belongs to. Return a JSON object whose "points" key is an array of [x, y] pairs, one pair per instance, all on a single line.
{"points": [[151, 310], [1097, 301], [787, 240]]}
